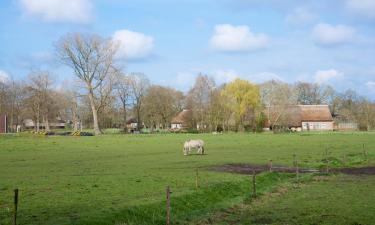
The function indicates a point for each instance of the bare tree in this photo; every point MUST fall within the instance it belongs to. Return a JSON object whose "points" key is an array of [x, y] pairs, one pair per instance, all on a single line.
{"points": [[277, 96], [92, 59], [161, 104], [40, 97], [139, 85], [312, 93], [199, 100], [124, 91]]}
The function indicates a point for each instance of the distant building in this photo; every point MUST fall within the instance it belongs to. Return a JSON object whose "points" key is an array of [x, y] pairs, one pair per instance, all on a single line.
{"points": [[55, 124], [345, 123], [304, 118], [3, 124], [132, 125], [182, 120]]}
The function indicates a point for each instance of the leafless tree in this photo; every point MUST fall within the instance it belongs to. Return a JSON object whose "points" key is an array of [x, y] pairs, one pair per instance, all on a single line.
{"points": [[199, 100], [312, 93], [139, 85], [40, 97], [276, 96], [92, 59], [124, 91], [161, 104]]}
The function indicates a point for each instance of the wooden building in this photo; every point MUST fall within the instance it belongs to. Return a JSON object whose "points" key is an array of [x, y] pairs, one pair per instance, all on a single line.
{"points": [[300, 118]]}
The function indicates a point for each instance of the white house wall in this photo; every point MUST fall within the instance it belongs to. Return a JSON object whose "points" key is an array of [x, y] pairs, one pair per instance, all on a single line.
{"points": [[317, 126]]}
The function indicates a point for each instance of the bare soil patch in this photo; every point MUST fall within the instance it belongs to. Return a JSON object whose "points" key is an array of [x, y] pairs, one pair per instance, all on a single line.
{"points": [[370, 170]]}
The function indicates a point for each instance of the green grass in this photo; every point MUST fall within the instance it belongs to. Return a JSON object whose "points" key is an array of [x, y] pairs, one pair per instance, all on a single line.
{"points": [[333, 200], [122, 178]]}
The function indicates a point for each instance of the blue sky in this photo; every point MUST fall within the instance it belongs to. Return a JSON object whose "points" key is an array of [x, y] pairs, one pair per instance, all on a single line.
{"points": [[329, 42]]}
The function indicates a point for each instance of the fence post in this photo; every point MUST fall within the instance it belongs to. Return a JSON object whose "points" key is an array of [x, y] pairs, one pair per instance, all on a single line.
{"points": [[297, 173], [168, 205], [327, 166], [196, 179], [15, 206], [364, 151], [270, 165], [294, 160], [254, 184]]}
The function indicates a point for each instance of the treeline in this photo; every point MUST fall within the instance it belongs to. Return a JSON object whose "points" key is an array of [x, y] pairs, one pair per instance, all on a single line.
{"points": [[104, 96]]}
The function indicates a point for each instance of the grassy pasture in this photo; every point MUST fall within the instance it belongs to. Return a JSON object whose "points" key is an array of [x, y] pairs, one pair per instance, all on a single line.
{"points": [[122, 178]]}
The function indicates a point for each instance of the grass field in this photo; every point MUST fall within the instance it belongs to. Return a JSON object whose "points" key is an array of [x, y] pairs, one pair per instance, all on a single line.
{"points": [[121, 179]]}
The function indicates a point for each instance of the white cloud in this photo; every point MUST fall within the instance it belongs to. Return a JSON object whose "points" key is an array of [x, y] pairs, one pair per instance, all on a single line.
{"points": [[133, 45], [323, 76], [75, 11], [228, 38], [300, 16], [364, 8], [328, 34], [224, 76], [371, 86], [263, 77], [4, 76]]}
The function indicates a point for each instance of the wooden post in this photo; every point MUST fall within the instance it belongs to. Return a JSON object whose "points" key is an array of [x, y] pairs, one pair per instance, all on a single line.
{"points": [[254, 184], [364, 151], [168, 205], [196, 179], [15, 206], [270, 165], [297, 173], [327, 166]]}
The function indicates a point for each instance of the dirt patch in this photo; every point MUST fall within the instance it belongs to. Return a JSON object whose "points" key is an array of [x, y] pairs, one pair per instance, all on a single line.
{"points": [[358, 171], [248, 169]]}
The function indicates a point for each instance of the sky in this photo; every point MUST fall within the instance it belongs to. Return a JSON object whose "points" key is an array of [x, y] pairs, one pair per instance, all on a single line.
{"points": [[330, 42]]}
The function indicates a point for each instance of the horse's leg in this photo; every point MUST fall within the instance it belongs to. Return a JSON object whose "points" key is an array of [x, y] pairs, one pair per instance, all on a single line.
{"points": [[202, 150]]}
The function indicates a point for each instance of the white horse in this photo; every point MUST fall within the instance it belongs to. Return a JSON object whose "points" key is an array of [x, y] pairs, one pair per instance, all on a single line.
{"points": [[190, 144]]}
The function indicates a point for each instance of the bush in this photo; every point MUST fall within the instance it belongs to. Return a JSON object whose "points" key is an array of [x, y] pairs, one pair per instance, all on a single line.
{"points": [[192, 131], [79, 133]]}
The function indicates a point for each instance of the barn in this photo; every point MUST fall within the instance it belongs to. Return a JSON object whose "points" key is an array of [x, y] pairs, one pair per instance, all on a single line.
{"points": [[3, 124], [316, 117], [303, 118]]}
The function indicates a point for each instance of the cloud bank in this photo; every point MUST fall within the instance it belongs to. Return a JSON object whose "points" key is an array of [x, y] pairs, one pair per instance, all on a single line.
{"points": [[324, 76], [4, 76], [327, 34]]}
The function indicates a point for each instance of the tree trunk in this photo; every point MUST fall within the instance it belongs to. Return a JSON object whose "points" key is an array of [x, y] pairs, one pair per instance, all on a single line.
{"points": [[46, 123], [97, 130], [124, 108], [139, 122], [37, 119]]}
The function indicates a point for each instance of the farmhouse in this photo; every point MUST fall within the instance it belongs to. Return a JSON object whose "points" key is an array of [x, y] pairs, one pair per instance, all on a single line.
{"points": [[182, 120], [302, 118]]}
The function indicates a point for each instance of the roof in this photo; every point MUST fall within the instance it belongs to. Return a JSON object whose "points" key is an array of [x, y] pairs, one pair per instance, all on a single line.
{"points": [[182, 117], [315, 113], [296, 114], [132, 120]]}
